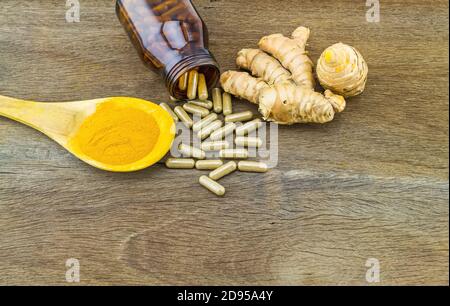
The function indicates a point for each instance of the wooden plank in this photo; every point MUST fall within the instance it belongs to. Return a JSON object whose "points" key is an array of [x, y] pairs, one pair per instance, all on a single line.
{"points": [[373, 183]]}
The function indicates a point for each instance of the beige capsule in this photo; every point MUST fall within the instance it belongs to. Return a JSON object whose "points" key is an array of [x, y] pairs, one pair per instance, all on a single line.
{"points": [[211, 164], [217, 100], [180, 163], [205, 104], [168, 109], [192, 85], [215, 146], [190, 151], [251, 166], [223, 132], [202, 87], [212, 185], [183, 82], [227, 104], [204, 122], [207, 130], [184, 117], [173, 99], [234, 154], [251, 142], [239, 117], [249, 127], [224, 170], [196, 110]]}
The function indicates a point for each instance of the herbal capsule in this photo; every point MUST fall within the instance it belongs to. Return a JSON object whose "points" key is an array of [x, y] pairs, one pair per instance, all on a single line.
{"points": [[192, 85], [170, 111], [222, 171], [227, 105], [223, 132], [180, 163], [251, 142], [215, 146], [212, 186], [234, 154], [204, 122], [173, 99], [239, 117], [202, 87], [190, 151], [249, 127], [196, 110], [217, 100], [184, 117], [183, 82], [205, 104], [206, 131], [208, 164], [250, 166]]}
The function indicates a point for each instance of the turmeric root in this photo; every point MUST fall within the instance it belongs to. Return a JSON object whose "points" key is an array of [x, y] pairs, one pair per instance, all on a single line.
{"points": [[292, 55], [284, 103], [262, 65], [289, 104], [242, 85], [342, 69]]}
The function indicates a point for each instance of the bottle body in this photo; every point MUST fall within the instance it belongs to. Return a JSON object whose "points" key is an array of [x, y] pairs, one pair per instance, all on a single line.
{"points": [[171, 39]]}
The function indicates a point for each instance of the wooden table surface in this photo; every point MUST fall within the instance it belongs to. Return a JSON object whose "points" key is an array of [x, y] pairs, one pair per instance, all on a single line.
{"points": [[372, 184]]}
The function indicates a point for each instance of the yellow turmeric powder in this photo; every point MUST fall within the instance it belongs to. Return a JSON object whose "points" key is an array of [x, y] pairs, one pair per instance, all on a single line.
{"points": [[117, 135]]}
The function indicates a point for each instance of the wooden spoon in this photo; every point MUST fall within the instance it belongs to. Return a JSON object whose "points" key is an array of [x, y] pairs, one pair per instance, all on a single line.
{"points": [[61, 121]]}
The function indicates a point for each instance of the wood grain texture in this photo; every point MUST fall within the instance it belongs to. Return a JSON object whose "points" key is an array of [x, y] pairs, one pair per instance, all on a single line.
{"points": [[373, 183]]}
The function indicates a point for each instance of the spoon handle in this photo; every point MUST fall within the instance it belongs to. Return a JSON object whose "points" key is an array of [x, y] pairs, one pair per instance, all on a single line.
{"points": [[53, 119]]}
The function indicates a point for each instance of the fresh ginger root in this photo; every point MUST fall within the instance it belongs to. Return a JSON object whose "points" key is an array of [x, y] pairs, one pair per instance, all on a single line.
{"points": [[284, 103], [342, 69], [292, 55], [262, 65]]}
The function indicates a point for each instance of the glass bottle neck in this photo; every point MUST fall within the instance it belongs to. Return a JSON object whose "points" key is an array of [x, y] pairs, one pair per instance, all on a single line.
{"points": [[202, 60]]}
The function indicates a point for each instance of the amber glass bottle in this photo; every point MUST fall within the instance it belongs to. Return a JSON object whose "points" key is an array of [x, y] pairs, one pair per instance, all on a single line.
{"points": [[171, 38]]}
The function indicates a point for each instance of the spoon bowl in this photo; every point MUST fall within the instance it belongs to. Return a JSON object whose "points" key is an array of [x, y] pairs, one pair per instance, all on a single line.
{"points": [[63, 121]]}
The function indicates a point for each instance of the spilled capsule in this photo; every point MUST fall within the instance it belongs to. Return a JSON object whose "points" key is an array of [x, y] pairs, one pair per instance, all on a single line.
{"points": [[168, 109], [239, 117], [205, 104], [204, 122], [210, 164], [250, 166], [223, 171], [209, 146], [190, 151], [207, 130], [223, 132], [196, 110], [249, 127], [251, 142], [227, 105], [217, 100], [234, 154], [180, 163], [212, 185], [184, 117]]}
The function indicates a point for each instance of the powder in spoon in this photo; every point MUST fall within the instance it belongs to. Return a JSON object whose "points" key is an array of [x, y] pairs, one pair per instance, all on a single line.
{"points": [[117, 135]]}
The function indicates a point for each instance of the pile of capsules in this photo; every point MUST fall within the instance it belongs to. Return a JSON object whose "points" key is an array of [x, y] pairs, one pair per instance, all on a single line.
{"points": [[212, 132]]}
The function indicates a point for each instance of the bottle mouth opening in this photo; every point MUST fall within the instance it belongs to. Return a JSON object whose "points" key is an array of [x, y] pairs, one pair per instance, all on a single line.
{"points": [[205, 64]]}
